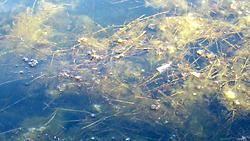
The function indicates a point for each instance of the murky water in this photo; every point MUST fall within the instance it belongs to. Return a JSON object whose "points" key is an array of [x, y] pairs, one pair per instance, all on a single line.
{"points": [[124, 70]]}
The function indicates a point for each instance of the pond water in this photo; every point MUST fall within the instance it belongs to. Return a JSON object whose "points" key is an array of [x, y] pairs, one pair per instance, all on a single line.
{"points": [[124, 70]]}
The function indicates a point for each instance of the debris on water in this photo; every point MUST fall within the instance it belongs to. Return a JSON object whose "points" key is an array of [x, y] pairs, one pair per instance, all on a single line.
{"points": [[206, 54], [82, 40], [119, 56], [155, 106], [93, 56], [92, 115], [177, 63], [56, 138], [243, 138], [78, 78], [92, 138], [97, 107], [151, 26], [33, 62], [64, 74], [201, 52], [164, 67], [21, 72], [61, 87], [127, 139], [196, 74], [237, 102], [119, 41], [25, 59]]}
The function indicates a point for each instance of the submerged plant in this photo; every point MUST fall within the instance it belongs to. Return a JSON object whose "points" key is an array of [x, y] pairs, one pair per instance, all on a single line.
{"points": [[165, 69], [31, 26]]}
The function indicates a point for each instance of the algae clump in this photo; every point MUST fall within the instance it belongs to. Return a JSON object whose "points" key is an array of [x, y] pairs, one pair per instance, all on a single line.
{"points": [[31, 26]]}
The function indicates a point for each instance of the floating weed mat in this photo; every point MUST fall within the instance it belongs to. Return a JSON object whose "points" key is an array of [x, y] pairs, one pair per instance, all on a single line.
{"points": [[182, 75]]}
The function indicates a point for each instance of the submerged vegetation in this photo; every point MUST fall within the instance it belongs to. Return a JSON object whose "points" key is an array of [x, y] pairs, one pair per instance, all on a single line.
{"points": [[181, 73], [30, 25]]}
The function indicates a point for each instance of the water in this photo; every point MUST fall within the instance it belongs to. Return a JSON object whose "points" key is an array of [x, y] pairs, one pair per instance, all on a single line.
{"points": [[124, 70]]}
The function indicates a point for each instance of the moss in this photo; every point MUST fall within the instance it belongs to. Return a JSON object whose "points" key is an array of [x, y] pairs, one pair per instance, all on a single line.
{"points": [[31, 27]]}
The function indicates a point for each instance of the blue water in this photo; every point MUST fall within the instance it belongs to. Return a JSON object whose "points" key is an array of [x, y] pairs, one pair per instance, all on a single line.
{"points": [[73, 96]]}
